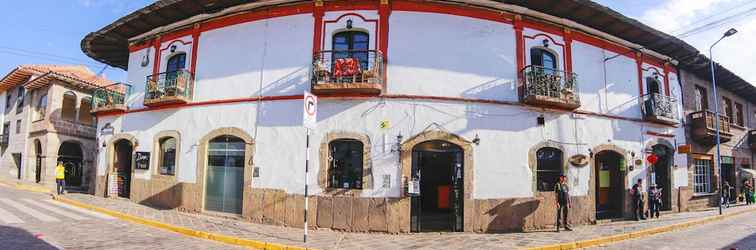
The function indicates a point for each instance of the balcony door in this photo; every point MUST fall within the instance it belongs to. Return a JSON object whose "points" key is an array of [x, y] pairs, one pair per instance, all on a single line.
{"points": [[352, 44], [176, 62], [543, 58]]}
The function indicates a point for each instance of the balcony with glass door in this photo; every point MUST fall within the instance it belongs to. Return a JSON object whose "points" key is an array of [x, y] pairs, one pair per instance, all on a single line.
{"points": [[659, 108], [174, 87], [110, 98], [550, 88], [347, 72], [703, 127]]}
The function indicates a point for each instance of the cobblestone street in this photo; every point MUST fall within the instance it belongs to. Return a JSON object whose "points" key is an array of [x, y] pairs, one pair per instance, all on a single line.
{"points": [[32, 221]]}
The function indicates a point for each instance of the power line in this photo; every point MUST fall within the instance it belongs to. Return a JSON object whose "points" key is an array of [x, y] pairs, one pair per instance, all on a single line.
{"points": [[681, 29], [44, 54], [48, 58], [718, 23]]}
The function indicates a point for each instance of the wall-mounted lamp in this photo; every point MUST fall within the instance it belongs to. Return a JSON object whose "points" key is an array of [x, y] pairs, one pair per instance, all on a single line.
{"points": [[590, 153], [104, 144], [146, 58], [545, 43], [656, 75], [632, 154], [173, 48], [476, 140], [349, 24], [541, 120]]}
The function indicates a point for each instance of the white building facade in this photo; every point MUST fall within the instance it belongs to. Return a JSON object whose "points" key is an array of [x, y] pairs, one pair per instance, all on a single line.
{"points": [[432, 116]]}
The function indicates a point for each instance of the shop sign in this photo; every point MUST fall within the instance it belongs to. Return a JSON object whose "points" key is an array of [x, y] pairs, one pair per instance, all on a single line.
{"points": [[683, 149], [579, 160], [413, 188], [142, 160]]}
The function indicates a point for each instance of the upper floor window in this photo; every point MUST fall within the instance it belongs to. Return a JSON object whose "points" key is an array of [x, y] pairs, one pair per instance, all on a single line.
{"points": [[68, 109], [548, 168], [8, 97], [345, 168], [738, 115], [352, 44], [6, 129], [176, 62], [167, 157], [727, 107], [85, 107], [18, 126], [20, 100], [701, 100], [653, 85], [41, 107], [544, 58]]}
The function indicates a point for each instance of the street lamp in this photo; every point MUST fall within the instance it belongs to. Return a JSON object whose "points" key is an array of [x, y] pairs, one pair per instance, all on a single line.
{"points": [[718, 159]]}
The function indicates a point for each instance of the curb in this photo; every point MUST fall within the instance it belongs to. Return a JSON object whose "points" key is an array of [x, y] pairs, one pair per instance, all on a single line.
{"points": [[637, 234], [183, 230], [27, 187]]}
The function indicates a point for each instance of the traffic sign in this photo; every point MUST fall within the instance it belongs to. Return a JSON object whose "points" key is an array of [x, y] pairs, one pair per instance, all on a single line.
{"points": [[309, 118]]}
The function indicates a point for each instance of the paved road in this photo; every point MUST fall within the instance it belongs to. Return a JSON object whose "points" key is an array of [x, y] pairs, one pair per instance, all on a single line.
{"points": [[737, 232], [34, 221]]}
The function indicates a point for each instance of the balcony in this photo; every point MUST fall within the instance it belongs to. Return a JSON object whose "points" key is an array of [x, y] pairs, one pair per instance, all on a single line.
{"points": [[174, 87], [660, 108], [545, 87], [752, 140], [4, 140], [347, 72], [110, 98], [703, 128]]}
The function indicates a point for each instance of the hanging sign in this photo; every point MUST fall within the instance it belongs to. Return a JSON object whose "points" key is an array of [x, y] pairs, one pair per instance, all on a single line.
{"points": [[414, 187], [142, 160], [579, 160], [683, 149], [309, 116], [652, 158]]}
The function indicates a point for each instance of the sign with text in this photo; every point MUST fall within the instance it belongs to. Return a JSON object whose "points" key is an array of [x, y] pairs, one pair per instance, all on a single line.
{"points": [[142, 160], [310, 114]]}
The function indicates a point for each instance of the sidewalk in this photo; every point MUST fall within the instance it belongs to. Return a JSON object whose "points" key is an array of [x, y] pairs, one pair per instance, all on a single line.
{"points": [[328, 239], [24, 185]]}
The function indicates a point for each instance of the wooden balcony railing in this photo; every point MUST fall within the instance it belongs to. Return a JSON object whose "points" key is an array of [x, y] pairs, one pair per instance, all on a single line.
{"points": [[111, 98], [347, 71], [659, 108], [703, 128], [169, 88], [752, 140], [549, 88]]}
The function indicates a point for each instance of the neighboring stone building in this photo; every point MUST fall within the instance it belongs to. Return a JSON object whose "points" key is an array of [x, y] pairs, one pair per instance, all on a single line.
{"points": [[737, 106], [46, 119]]}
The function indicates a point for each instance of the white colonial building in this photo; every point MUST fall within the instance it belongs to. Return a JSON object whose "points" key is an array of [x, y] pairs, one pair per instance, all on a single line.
{"points": [[433, 115]]}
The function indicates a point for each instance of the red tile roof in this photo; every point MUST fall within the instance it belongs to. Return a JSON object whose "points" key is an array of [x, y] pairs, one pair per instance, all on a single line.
{"points": [[74, 74]]}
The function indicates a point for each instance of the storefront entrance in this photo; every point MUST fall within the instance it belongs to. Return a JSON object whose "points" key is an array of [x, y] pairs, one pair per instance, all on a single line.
{"points": [[71, 156], [437, 171], [662, 173], [610, 184], [122, 164], [225, 174]]}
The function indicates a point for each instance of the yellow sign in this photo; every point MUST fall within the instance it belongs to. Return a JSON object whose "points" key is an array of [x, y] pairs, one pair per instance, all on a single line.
{"points": [[384, 124]]}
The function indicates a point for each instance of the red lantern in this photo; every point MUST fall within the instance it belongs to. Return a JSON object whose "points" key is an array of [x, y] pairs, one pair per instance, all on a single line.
{"points": [[652, 158]]}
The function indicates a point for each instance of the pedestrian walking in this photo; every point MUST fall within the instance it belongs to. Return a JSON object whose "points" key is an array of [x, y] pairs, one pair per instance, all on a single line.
{"points": [[654, 201], [637, 193], [748, 192], [562, 191], [60, 178], [726, 194]]}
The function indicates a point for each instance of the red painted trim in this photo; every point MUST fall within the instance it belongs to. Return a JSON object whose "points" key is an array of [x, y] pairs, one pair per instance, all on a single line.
{"points": [[601, 43], [374, 21], [541, 26], [519, 53], [317, 14], [660, 134], [639, 64], [567, 35], [175, 41], [156, 61], [564, 49], [547, 36], [650, 60], [666, 79], [351, 5], [384, 12], [276, 11], [140, 46], [466, 11], [195, 45]]}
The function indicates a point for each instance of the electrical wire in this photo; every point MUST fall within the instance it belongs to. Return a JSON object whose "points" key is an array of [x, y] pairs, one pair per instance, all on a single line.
{"points": [[701, 20], [726, 20]]}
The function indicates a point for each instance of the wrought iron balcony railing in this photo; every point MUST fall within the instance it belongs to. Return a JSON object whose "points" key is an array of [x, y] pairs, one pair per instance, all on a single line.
{"points": [[660, 108], [550, 87], [703, 127], [339, 71], [169, 87], [111, 98]]}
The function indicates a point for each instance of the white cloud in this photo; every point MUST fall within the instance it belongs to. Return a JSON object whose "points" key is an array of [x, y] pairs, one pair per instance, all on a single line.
{"points": [[736, 53]]}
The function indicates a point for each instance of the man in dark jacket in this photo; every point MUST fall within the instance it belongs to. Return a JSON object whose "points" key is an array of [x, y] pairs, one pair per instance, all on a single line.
{"points": [[637, 194], [562, 191]]}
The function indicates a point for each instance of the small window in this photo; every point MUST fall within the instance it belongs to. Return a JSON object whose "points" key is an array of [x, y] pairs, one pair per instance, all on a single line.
{"points": [[41, 107], [167, 156], [6, 128], [20, 100], [85, 107], [727, 108], [176, 62], [543, 58], [738, 115], [702, 176], [548, 169], [18, 126], [68, 109], [8, 98], [701, 100], [346, 161], [352, 44]]}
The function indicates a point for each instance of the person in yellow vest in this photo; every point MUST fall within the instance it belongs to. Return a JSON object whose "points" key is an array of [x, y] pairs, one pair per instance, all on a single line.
{"points": [[60, 177]]}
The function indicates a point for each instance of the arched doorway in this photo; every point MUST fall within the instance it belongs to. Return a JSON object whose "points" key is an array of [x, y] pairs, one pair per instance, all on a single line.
{"points": [[71, 156], [438, 173], [224, 186], [38, 161], [662, 173], [610, 184], [122, 164]]}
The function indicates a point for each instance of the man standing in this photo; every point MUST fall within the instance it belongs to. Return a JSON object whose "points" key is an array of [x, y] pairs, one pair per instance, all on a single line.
{"points": [[726, 194], [562, 191], [60, 177], [637, 194], [654, 201]]}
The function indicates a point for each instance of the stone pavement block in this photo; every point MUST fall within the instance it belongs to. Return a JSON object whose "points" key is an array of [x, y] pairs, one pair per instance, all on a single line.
{"points": [[342, 213], [360, 221], [325, 208], [377, 215]]}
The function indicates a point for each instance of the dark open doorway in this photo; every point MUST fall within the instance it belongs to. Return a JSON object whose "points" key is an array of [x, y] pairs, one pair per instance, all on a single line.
{"points": [[438, 167], [17, 160], [662, 171], [38, 156], [122, 164], [609, 184], [70, 155]]}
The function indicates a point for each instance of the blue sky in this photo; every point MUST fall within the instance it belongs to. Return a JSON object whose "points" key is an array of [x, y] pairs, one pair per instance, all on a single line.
{"points": [[50, 31]]}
